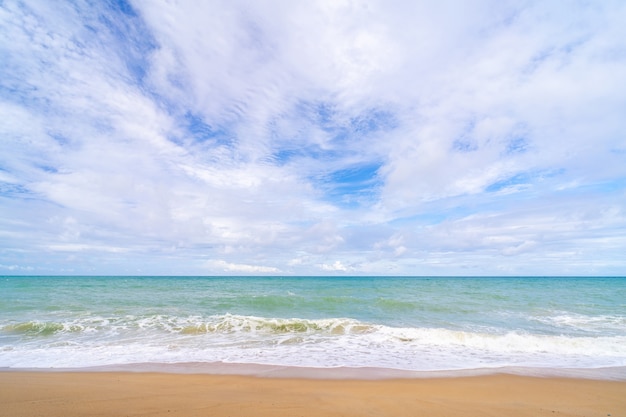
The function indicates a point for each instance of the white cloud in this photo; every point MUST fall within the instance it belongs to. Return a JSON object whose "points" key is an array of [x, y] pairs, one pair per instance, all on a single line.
{"points": [[14, 268], [336, 266], [400, 137], [243, 268]]}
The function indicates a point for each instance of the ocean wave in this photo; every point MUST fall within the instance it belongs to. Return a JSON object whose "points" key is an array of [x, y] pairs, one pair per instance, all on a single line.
{"points": [[597, 324], [40, 328], [251, 324], [237, 328], [511, 342], [190, 325], [93, 340]]}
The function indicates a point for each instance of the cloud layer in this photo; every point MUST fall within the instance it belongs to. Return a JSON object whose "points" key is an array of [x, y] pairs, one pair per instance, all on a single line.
{"points": [[323, 137]]}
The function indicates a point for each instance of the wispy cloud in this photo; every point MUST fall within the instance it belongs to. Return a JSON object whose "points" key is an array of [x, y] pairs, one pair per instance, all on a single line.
{"points": [[242, 268], [357, 137]]}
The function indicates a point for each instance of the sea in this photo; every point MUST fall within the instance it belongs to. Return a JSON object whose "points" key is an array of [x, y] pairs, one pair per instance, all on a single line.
{"points": [[406, 324]]}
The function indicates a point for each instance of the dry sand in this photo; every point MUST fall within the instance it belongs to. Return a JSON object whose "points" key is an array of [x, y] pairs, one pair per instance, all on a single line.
{"points": [[70, 394]]}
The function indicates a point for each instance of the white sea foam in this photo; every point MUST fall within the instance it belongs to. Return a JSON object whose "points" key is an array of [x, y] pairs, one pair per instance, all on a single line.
{"points": [[598, 324], [93, 341]]}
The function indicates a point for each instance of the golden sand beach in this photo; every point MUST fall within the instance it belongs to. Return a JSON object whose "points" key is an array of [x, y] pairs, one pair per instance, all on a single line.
{"points": [[71, 394]]}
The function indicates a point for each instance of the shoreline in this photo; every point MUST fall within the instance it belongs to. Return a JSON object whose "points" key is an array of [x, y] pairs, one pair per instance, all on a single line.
{"points": [[115, 393], [334, 373]]}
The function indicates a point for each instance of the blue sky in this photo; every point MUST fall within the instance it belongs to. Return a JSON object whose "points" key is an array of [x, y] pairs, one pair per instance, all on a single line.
{"points": [[313, 138]]}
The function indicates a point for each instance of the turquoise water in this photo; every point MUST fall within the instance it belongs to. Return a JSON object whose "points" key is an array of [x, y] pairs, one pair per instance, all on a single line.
{"points": [[415, 324]]}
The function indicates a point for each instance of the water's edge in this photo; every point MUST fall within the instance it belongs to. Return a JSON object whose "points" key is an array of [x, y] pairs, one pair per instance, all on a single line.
{"points": [[348, 373]]}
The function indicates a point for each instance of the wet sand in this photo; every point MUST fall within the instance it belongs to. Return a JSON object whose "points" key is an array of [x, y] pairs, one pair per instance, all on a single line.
{"points": [[165, 394]]}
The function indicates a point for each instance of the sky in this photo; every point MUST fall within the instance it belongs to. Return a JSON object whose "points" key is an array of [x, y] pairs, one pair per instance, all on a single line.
{"points": [[322, 137]]}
